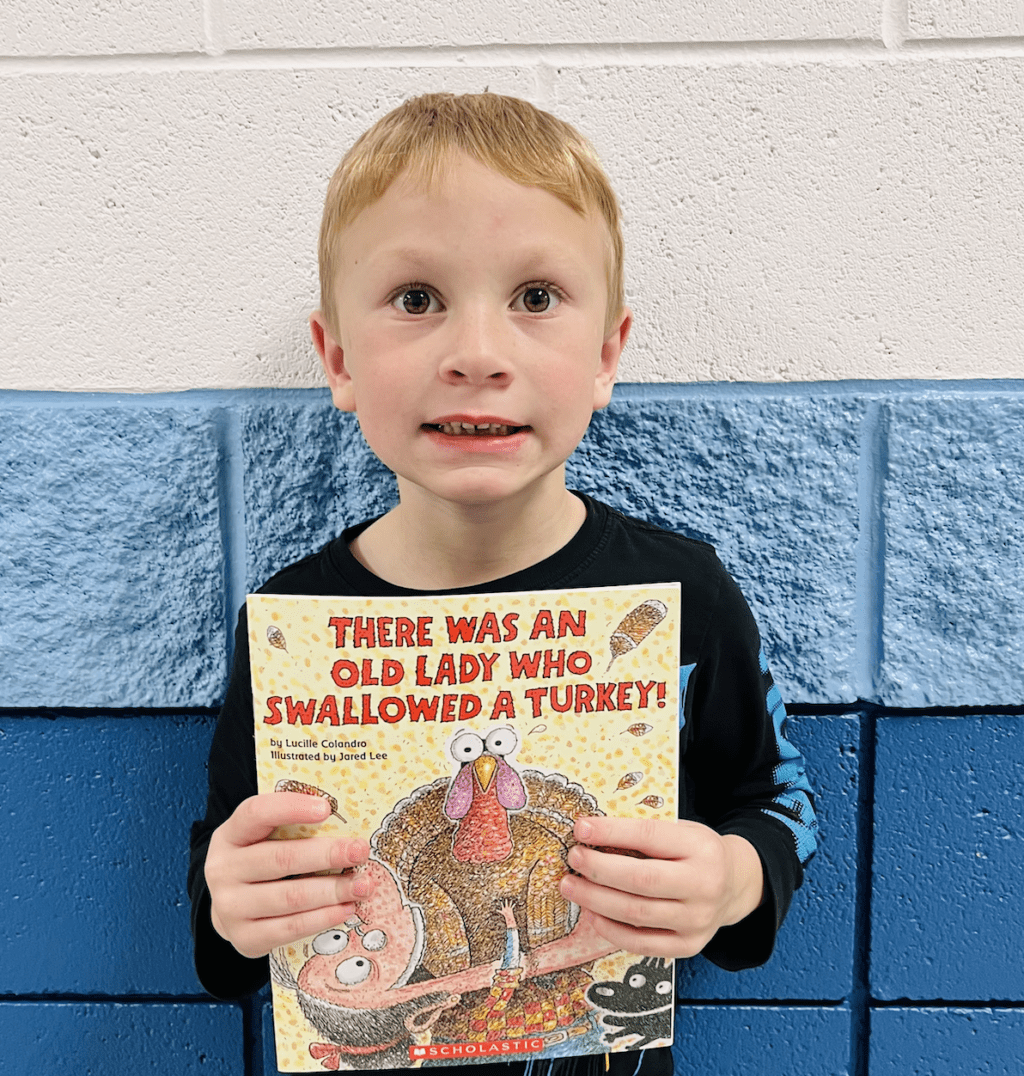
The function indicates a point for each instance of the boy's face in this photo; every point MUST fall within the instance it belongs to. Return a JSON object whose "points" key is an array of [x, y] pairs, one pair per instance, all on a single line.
{"points": [[481, 302]]}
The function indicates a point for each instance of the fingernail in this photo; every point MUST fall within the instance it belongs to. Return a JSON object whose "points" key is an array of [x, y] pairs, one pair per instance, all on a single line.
{"points": [[358, 850], [361, 887], [584, 830]]}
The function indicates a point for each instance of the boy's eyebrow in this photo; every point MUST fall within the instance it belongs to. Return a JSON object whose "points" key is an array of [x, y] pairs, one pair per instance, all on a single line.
{"points": [[552, 258]]}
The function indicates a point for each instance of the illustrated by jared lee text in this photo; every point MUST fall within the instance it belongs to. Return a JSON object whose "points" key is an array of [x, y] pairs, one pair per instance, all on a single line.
{"points": [[463, 737]]}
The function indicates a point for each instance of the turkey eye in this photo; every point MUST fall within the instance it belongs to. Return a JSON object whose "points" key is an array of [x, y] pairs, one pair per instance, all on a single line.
{"points": [[501, 741], [467, 747], [636, 981], [353, 971], [664, 987], [374, 940], [330, 942]]}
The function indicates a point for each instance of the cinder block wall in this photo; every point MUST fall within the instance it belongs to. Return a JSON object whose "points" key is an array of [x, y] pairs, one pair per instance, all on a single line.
{"points": [[824, 231]]}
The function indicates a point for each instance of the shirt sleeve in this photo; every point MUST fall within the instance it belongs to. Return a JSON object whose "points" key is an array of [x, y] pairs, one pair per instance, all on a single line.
{"points": [[745, 777], [222, 970]]}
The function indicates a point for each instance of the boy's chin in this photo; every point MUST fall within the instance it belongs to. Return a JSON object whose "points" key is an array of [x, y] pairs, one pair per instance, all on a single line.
{"points": [[484, 488]]}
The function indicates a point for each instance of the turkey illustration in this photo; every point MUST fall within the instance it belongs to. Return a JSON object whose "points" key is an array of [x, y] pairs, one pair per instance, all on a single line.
{"points": [[460, 847], [485, 789]]}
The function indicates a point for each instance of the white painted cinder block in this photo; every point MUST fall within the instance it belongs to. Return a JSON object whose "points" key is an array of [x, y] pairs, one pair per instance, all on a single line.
{"points": [[942, 19], [789, 217], [814, 221], [255, 24], [60, 28]]}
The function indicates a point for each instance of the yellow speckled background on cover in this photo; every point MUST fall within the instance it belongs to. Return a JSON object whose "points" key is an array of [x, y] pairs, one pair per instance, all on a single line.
{"points": [[627, 759]]}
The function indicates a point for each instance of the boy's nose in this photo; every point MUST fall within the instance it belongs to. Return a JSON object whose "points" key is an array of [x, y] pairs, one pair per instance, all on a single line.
{"points": [[479, 351]]}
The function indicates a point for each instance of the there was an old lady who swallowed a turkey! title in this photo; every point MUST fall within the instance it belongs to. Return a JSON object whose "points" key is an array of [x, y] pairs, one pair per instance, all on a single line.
{"points": [[462, 736]]}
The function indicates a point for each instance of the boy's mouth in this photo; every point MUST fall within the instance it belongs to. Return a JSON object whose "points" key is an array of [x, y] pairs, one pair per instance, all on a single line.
{"points": [[471, 429]]}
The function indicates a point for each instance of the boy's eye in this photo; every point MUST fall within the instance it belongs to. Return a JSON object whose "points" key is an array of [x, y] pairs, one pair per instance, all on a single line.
{"points": [[538, 298], [415, 301]]}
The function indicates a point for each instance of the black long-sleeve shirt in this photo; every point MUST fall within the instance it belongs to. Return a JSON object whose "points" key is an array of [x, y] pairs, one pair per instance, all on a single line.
{"points": [[738, 773]]}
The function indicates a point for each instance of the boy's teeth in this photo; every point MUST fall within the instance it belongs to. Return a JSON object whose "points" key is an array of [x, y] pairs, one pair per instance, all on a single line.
{"points": [[462, 429]]}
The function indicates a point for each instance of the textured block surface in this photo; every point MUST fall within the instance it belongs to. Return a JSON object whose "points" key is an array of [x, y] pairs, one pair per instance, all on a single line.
{"points": [[48, 28], [771, 482], [813, 956], [807, 220], [111, 567], [954, 585], [313, 24], [762, 1041], [106, 1039], [95, 850], [940, 19], [947, 1042], [308, 474], [948, 863], [785, 220]]}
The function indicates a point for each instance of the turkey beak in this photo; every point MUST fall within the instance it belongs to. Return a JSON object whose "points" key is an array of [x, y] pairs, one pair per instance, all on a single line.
{"points": [[484, 768]]}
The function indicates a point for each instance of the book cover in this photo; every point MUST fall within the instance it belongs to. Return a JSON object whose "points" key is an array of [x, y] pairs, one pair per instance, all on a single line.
{"points": [[462, 737]]}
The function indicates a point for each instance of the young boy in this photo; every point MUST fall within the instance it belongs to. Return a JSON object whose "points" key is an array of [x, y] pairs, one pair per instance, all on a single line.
{"points": [[472, 317]]}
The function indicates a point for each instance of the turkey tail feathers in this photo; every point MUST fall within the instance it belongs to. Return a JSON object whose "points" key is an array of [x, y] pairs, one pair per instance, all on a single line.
{"points": [[411, 825], [555, 802]]}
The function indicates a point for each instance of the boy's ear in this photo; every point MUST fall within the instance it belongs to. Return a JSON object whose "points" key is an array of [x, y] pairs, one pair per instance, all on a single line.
{"points": [[333, 359], [611, 349]]}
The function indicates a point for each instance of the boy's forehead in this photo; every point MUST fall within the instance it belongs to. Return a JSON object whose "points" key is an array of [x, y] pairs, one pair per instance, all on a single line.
{"points": [[399, 227]]}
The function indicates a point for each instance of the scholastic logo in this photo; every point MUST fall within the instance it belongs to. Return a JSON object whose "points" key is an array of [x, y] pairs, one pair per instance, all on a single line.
{"points": [[475, 1049]]}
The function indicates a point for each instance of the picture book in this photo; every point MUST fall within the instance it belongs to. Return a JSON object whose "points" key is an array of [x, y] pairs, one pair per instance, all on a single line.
{"points": [[462, 736]]}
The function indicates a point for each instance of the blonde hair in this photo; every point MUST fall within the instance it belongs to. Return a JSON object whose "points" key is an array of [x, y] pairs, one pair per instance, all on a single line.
{"points": [[506, 134]]}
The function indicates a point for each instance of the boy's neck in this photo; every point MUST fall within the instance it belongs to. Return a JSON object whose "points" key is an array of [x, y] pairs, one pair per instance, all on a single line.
{"points": [[437, 545]]}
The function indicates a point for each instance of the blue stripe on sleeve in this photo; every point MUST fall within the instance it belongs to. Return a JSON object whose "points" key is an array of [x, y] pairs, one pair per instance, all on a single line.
{"points": [[793, 800]]}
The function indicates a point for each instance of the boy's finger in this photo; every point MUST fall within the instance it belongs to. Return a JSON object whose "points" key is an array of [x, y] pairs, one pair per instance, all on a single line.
{"points": [[296, 896], [265, 934], [645, 942], [257, 817], [273, 860], [629, 908], [644, 877], [654, 837]]}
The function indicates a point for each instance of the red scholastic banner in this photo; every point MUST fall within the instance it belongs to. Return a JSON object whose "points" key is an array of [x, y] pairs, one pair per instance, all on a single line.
{"points": [[476, 1049]]}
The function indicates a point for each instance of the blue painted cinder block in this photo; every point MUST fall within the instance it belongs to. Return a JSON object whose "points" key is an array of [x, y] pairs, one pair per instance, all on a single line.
{"points": [[771, 482], [95, 851], [761, 1041], [813, 958], [308, 475], [954, 584], [948, 865], [110, 1039], [947, 1042], [111, 567]]}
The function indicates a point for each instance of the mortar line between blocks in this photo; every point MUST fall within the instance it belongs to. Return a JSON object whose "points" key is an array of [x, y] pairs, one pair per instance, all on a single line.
{"points": [[232, 494], [873, 462], [895, 23], [831, 51], [213, 37]]}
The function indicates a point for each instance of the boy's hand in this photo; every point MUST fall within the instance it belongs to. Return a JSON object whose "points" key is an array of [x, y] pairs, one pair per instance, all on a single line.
{"points": [[257, 902], [671, 903]]}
